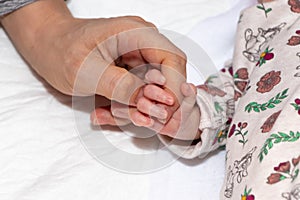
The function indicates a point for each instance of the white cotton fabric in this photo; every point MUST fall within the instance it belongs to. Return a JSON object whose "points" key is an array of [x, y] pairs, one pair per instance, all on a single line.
{"points": [[41, 156]]}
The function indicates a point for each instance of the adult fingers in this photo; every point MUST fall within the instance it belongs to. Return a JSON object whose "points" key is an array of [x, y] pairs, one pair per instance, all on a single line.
{"points": [[131, 113], [103, 116], [119, 117], [121, 112], [120, 85], [153, 47]]}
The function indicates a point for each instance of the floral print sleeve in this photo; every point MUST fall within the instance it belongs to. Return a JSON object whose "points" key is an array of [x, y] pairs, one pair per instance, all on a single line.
{"points": [[254, 106], [215, 99]]}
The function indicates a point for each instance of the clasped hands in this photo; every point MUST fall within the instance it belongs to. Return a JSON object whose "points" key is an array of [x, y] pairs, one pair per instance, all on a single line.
{"points": [[92, 56], [157, 108]]}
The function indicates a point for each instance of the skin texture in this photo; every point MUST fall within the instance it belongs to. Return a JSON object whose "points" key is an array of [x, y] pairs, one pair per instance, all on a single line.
{"points": [[95, 55], [183, 124]]}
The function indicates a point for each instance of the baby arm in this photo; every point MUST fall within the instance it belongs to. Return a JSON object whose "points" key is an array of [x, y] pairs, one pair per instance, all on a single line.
{"points": [[184, 123], [215, 102]]}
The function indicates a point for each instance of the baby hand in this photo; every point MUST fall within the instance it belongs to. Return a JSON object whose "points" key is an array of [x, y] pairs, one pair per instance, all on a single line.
{"points": [[185, 121], [157, 100], [153, 101]]}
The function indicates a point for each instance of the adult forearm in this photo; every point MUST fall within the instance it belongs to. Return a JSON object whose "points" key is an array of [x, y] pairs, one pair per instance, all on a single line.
{"points": [[25, 24], [8, 6]]}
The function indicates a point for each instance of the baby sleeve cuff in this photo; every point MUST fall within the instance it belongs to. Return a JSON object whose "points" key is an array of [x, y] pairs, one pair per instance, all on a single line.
{"points": [[210, 124]]}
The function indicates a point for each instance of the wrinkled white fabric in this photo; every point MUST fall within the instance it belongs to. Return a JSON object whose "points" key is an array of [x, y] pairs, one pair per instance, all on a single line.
{"points": [[41, 156]]}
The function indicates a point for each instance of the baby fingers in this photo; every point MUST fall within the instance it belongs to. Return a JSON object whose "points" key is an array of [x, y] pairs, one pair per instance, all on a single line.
{"points": [[148, 107], [158, 94], [131, 113], [155, 76], [103, 116]]}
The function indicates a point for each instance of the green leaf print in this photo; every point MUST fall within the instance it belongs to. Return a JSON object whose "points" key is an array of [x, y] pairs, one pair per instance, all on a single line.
{"points": [[256, 107], [218, 107], [277, 138], [266, 10]]}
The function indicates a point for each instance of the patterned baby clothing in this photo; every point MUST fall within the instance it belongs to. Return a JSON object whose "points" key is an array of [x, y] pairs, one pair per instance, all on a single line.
{"points": [[253, 107]]}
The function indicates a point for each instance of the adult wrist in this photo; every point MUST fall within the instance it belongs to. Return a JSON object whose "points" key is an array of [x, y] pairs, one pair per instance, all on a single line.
{"points": [[25, 24]]}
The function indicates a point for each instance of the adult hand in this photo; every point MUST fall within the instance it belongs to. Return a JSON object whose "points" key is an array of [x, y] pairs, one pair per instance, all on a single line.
{"points": [[151, 104], [89, 55], [183, 124]]}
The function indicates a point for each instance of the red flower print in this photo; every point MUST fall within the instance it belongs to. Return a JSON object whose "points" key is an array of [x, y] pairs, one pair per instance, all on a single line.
{"points": [[269, 56], [264, 56], [296, 161], [241, 73], [267, 126], [250, 197], [242, 125], [297, 105], [284, 171], [237, 95], [295, 5], [294, 40], [247, 195], [231, 130], [268, 81], [241, 133], [212, 90], [230, 69], [274, 178], [283, 167], [241, 85]]}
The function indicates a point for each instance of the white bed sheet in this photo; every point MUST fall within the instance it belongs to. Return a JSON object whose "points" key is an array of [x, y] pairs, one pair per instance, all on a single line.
{"points": [[41, 156]]}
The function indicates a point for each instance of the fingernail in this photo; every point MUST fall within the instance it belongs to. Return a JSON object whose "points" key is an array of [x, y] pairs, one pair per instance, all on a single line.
{"points": [[120, 113], [163, 121], [95, 121], [143, 121], [186, 87], [151, 123], [162, 80], [147, 78], [159, 112], [168, 100]]}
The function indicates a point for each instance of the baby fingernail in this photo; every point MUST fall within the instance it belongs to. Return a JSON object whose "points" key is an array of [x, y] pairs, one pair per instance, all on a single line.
{"points": [[159, 112], [120, 113], [95, 121], [144, 121], [162, 80], [186, 87], [168, 100]]}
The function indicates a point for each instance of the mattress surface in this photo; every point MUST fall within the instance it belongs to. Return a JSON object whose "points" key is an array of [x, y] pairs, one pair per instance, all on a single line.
{"points": [[41, 154]]}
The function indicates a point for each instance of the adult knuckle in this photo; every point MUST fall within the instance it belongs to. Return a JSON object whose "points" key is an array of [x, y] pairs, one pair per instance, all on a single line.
{"points": [[137, 18], [122, 86]]}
